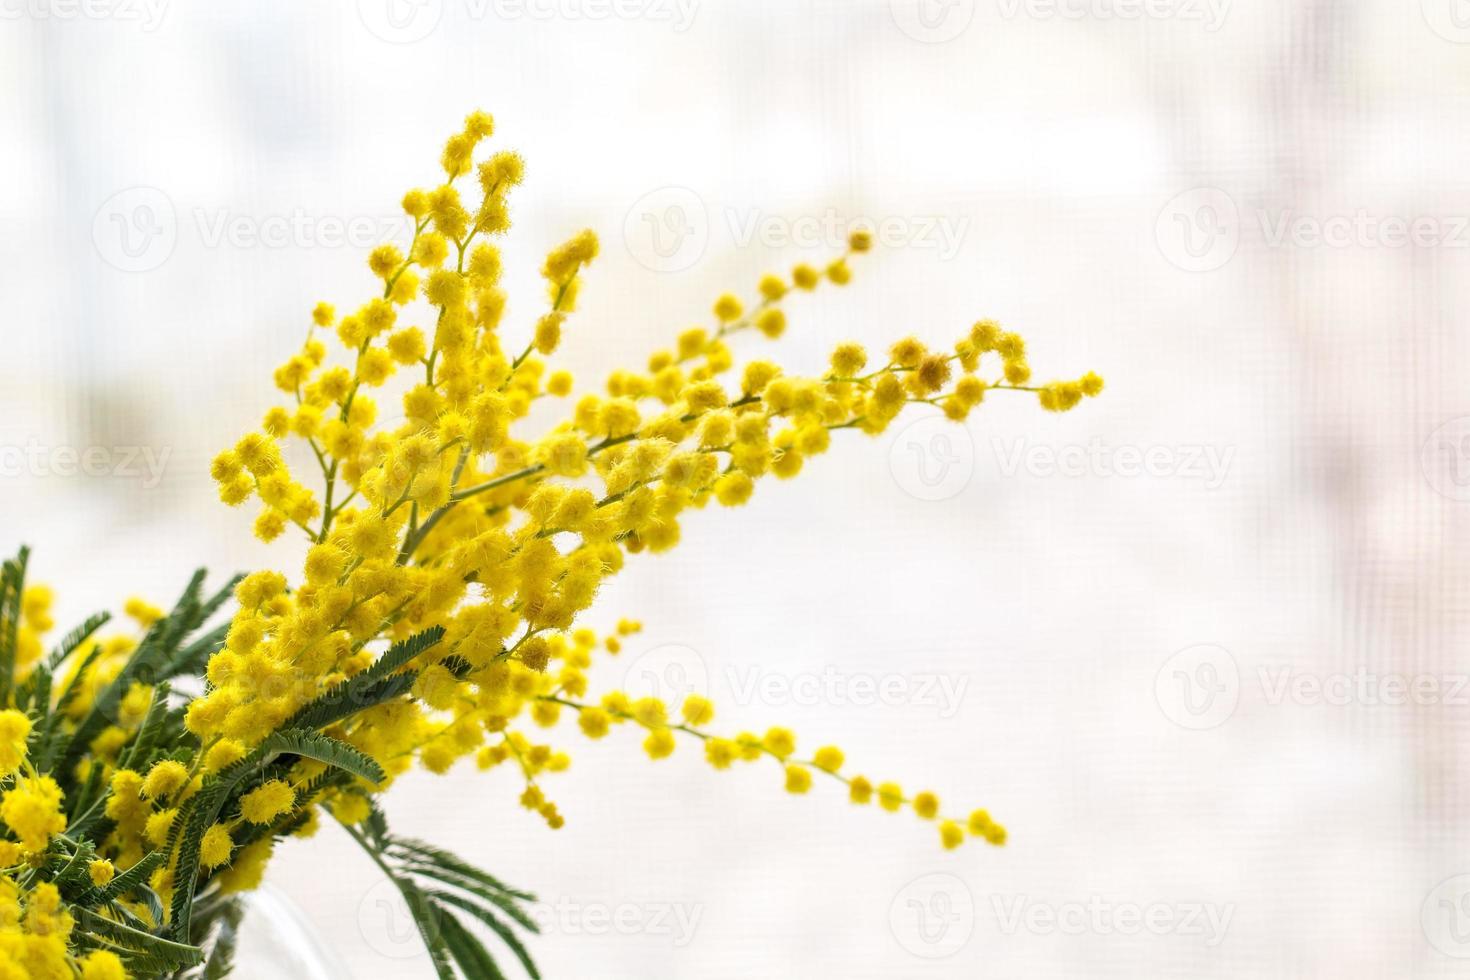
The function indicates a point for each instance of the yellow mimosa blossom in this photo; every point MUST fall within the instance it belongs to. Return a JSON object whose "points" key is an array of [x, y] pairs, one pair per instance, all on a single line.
{"points": [[32, 809], [459, 502], [270, 800]]}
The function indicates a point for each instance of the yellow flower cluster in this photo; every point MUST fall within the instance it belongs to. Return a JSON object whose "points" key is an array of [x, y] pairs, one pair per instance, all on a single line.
{"points": [[450, 560], [31, 808], [435, 513], [35, 925], [144, 806], [563, 686], [35, 928]]}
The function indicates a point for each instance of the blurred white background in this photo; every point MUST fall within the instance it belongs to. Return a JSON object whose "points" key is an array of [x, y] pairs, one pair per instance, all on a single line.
{"points": [[1199, 643]]}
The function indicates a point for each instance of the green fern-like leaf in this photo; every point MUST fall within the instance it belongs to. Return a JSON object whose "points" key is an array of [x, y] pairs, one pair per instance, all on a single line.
{"points": [[151, 732], [146, 952], [379, 683], [207, 803], [324, 748], [73, 871], [73, 641], [12, 583], [450, 943], [486, 918], [192, 659], [148, 665], [417, 851], [469, 953]]}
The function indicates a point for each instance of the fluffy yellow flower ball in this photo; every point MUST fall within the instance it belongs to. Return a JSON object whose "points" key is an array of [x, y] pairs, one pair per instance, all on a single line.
{"points": [[267, 801], [32, 808], [215, 849], [697, 710], [101, 964], [15, 727]]}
